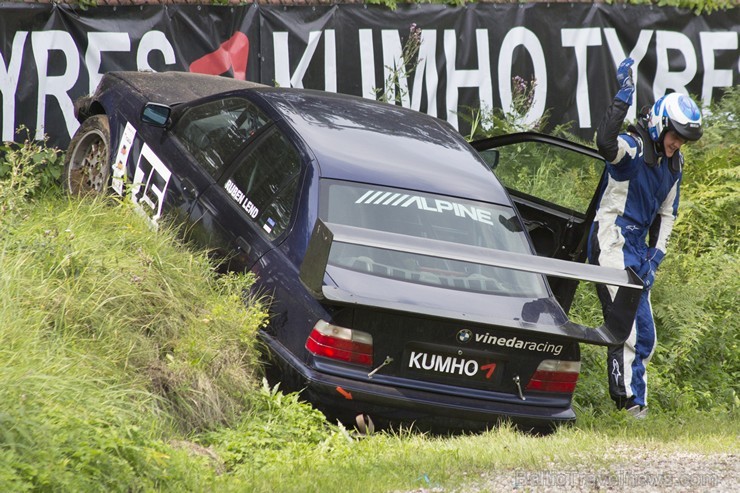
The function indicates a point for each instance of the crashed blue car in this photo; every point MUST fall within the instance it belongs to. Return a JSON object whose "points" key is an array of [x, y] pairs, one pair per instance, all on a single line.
{"points": [[412, 278]]}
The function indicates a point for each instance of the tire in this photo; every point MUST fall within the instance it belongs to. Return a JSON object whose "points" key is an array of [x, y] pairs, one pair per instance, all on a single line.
{"points": [[87, 167]]}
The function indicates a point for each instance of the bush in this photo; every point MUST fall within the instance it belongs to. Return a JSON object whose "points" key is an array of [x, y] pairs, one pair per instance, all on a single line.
{"points": [[26, 171]]}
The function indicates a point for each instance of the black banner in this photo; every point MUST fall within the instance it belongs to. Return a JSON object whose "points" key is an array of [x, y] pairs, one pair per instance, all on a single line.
{"points": [[468, 57]]}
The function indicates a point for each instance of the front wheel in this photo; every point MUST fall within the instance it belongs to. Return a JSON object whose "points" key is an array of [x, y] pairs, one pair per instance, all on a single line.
{"points": [[87, 163]]}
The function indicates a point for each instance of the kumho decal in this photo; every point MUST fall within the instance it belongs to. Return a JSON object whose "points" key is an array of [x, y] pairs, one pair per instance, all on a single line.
{"points": [[397, 199], [443, 364]]}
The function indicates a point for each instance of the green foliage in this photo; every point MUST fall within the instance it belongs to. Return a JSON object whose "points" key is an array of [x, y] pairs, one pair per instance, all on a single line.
{"points": [[489, 122], [395, 87], [697, 6], [552, 174], [697, 363], [710, 193], [113, 338], [27, 170], [67, 428], [277, 429]]}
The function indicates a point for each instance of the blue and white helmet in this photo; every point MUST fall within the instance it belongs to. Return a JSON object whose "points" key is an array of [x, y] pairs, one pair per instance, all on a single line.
{"points": [[676, 112]]}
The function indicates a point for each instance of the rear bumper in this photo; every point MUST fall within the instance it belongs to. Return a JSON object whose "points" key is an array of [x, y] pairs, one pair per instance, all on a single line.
{"points": [[344, 398]]}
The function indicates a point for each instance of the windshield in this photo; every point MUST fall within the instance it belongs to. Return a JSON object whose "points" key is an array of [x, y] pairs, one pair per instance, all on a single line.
{"points": [[431, 216]]}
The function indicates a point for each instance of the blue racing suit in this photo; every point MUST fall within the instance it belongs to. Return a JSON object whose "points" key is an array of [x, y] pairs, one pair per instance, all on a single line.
{"points": [[636, 208]]}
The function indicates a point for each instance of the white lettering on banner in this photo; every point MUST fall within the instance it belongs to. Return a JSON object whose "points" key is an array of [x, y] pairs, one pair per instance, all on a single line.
{"points": [[458, 78], [330, 61], [711, 42], [9, 85], [97, 43], [150, 42], [637, 54], [300, 71], [282, 59], [443, 364], [520, 36], [367, 63], [664, 78], [580, 40], [57, 86]]}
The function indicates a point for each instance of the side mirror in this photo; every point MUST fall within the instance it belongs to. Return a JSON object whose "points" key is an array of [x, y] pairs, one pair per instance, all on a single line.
{"points": [[156, 114], [490, 156]]}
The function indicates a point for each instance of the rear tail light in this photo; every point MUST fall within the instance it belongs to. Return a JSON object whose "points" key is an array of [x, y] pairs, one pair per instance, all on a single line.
{"points": [[331, 341], [555, 376]]}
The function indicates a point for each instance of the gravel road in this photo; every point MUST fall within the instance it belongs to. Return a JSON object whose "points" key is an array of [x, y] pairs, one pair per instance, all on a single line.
{"points": [[648, 471]]}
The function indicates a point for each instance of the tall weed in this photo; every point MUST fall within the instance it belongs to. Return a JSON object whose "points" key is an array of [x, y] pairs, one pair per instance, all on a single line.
{"points": [[27, 170], [113, 338]]}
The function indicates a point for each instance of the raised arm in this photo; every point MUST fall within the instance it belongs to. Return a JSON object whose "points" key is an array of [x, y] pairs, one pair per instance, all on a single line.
{"points": [[610, 146]]}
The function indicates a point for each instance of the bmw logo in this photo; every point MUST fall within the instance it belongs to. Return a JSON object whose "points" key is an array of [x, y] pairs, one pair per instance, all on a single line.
{"points": [[464, 335]]}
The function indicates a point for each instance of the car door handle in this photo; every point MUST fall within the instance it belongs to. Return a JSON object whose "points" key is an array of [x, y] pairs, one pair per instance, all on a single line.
{"points": [[188, 189], [243, 245], [208, 206]]}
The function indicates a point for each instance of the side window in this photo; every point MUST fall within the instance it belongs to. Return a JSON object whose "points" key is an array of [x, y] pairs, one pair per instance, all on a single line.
{"points": [[555, 174], [267, 183], [215, 131]]}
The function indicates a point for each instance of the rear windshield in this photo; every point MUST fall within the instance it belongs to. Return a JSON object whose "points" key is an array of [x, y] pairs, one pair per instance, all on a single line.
{"points": [[426, 215]]}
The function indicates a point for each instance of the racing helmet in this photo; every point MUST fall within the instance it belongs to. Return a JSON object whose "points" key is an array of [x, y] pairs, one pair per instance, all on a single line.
{"points": [[676, 112]]}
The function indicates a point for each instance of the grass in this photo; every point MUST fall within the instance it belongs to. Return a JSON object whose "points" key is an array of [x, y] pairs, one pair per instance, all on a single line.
{"points": [[400, 461], [114, 339]]}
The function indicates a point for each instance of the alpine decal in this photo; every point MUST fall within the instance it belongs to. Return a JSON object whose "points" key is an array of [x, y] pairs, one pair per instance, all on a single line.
{"points": [[397, 199], [124, 149], [149, 187], [240, 198], [516, 343]]}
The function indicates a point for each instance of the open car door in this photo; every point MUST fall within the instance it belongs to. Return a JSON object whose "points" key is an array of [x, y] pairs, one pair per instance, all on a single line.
{"points": [[553, 184]]}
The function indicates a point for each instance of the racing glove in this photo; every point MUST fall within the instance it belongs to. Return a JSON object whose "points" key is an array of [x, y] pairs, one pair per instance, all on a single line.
{"points": [[650, 266], [611, 123], [624, 78]]}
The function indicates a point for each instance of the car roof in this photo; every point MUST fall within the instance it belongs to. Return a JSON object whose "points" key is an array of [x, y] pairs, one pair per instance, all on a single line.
{"points": [[177, 87], [352, 138], [367, 141]]}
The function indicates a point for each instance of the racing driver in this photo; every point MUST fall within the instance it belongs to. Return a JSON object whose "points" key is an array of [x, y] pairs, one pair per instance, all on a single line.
{"points": [[637, 206]]}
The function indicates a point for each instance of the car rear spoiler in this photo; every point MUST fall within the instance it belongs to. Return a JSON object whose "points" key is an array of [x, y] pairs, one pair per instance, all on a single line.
{"points": [[616, 327]]}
